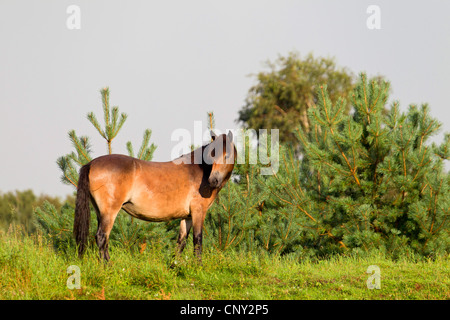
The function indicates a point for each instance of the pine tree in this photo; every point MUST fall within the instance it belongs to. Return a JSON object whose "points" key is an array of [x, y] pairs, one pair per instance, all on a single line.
{"points": [[112, 125], [368, 179], [111, 117]]}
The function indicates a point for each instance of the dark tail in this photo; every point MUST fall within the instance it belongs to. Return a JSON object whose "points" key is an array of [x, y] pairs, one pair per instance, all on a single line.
{"points": [[82, 210]]}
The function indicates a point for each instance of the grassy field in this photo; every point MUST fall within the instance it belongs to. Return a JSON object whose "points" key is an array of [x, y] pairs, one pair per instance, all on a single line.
{"points": [[31, 269]]}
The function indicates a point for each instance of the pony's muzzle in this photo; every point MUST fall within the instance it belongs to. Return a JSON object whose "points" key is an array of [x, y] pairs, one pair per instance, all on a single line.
{"points": [[213, 182]]}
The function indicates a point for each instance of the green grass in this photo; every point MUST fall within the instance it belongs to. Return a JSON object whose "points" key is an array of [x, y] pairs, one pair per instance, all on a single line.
{"points": [[30, 268]]}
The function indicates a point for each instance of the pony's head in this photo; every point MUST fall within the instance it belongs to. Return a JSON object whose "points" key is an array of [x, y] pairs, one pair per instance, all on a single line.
{"points": [[220, 154]]}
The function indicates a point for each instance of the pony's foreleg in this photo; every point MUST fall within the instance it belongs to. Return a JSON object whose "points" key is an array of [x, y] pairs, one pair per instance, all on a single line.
{"points": [[185, 227], [197, 222]]}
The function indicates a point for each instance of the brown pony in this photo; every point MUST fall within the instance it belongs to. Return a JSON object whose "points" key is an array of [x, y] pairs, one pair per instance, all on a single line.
{"points": [[184, 189]]}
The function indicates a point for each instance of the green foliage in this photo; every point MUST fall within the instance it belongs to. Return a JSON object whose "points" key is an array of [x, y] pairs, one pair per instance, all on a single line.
{"points": [[282, 96], [58, 224], [135, 234], [81, 157], [371, 180], [145, 151], [111, 118], [367, 180], [232, 219], [17, 208]]}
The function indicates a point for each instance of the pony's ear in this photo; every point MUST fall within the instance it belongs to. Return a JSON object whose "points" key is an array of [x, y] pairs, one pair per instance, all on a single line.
{"points": [[213, 135], [230, 135]]}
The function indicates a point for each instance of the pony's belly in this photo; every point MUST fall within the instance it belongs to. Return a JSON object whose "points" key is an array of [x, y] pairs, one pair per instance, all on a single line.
{"points": [[155, 214]]}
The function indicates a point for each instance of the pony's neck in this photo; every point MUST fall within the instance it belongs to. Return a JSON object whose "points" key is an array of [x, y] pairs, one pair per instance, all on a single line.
{"points": [[194, 157]]}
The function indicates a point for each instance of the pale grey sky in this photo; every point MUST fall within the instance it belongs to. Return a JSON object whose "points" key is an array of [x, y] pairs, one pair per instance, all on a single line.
{"points": [[169, 62]]}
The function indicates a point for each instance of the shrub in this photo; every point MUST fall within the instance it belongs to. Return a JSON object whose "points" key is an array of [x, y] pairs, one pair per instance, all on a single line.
{"points": [[366, 180]]}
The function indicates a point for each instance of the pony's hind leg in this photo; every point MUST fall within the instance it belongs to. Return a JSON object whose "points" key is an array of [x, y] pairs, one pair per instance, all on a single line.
{"points": [[102, 242], [105, 223], [185, 227]]}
